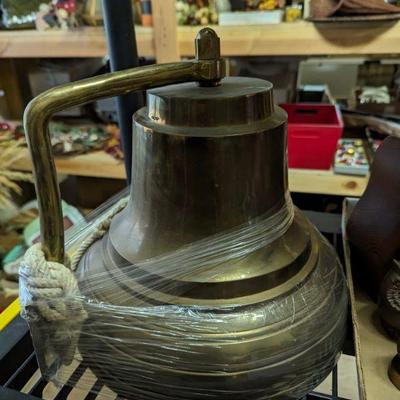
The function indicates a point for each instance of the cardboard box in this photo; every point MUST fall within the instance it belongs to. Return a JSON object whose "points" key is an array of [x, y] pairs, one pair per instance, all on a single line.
{"points": [[374, 350]]}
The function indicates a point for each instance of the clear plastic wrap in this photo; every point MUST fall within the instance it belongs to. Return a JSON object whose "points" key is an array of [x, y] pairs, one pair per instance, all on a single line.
{"points": [[151, 340]]}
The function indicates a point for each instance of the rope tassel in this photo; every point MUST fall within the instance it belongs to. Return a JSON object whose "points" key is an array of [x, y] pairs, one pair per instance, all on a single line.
{"points": [[49, 295]]}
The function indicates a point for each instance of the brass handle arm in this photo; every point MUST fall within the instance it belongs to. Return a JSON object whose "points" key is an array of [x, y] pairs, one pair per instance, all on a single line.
{"points": [[40, 109]]}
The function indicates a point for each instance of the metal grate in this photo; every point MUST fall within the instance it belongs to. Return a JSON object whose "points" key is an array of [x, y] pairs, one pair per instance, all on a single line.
{"points": [[20, 378]]}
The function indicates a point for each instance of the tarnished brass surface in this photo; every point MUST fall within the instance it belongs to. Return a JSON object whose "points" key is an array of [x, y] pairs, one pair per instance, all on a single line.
{"points": [[207, 159], [42, 107], [231, 333]]}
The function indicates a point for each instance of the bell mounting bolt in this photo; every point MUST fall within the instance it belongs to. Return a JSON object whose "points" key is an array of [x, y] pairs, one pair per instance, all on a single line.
{"points": [[208, 55]]}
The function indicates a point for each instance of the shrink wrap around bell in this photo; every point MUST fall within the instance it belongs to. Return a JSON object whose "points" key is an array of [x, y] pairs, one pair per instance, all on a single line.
{"points": [[152, 341]]}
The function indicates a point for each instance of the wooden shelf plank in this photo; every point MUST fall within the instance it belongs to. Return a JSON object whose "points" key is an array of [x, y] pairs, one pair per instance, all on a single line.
{"points": [[326, 182], [97, 164], [301, 38], [82, 42], [101, 165]]}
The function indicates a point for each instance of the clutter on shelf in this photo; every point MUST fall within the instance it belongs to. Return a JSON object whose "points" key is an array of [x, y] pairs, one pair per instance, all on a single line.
{"points": [[195, 12], [92, 12], [239, 12], [351, 157], [146, 12], [371, 94], [113, 145], [19, 14], [70, 139], [294, 12], [57, 15], [62, 14]]}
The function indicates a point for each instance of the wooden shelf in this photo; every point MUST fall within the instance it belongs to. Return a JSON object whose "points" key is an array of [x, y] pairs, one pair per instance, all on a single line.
{"points": [[82, 42], [326, 182], [300, 38], [101, 165], [97, 164]]}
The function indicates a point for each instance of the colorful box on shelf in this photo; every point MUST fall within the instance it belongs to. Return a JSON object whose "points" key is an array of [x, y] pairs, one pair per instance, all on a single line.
{"points": [[351, 158], [313, 133], [251, 17]]}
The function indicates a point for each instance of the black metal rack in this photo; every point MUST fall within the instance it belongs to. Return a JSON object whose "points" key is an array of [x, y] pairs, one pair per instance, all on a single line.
{"points": [[19, 371], [122, 49]]}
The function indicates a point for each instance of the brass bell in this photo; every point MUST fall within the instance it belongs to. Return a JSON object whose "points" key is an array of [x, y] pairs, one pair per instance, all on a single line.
{"points": [[208, 284]]}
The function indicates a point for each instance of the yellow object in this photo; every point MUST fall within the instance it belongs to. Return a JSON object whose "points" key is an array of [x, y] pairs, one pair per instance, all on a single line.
{"points": [[292, 14], [267, 5], [9, 314]]}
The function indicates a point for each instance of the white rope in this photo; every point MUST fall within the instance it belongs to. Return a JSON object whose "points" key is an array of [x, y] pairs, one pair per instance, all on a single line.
{"points": [[49, 292], [98, 231], [45, 286]]}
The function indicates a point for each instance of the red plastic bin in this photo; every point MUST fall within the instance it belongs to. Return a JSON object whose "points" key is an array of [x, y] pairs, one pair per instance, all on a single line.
{"points": [[313, 133]]}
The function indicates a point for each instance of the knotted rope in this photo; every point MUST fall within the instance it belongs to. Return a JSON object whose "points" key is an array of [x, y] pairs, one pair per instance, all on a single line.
{"points": [[49, 291]]}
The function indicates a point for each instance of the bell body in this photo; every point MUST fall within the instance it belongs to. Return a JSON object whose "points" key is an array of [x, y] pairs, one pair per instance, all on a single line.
{"points": [[209, 164]]}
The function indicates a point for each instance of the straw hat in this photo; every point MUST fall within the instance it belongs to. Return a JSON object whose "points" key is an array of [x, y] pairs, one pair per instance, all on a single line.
{"points": [[324, 8], [368, 7]]}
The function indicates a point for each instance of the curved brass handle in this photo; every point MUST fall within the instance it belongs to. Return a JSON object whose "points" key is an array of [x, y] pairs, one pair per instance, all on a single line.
{"points": [[207, 68]]}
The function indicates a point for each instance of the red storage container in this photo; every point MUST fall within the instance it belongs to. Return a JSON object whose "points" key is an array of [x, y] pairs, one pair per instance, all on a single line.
{"points": [[313, 133]]}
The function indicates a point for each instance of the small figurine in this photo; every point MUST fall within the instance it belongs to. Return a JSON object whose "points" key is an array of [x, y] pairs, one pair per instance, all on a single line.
{"points": [[113, 146], [265, 5], [46, 17], [66, 12], [195, 13], [58, 14]]}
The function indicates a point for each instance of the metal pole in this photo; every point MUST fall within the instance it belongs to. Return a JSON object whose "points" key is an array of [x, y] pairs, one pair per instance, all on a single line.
{"points": [[122, 48]]}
